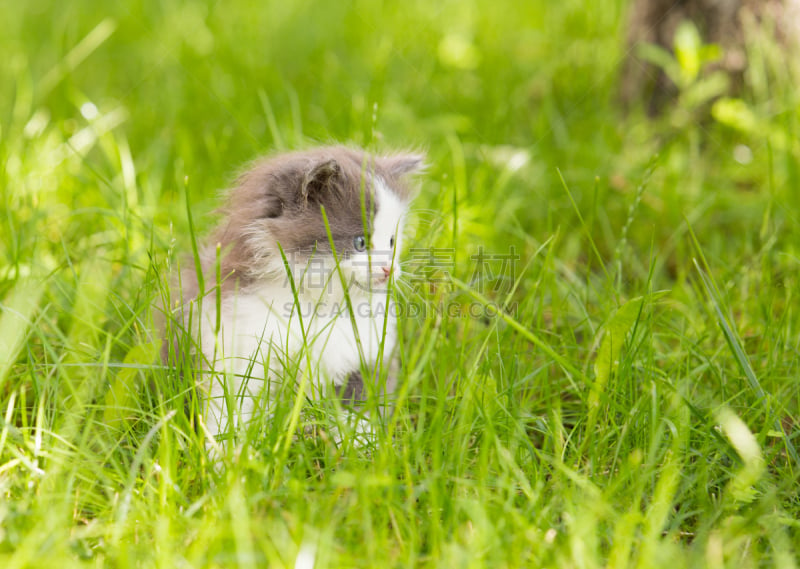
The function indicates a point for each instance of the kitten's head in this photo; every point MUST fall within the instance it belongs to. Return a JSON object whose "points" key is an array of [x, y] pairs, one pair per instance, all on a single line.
{"points": [[280, 202]]}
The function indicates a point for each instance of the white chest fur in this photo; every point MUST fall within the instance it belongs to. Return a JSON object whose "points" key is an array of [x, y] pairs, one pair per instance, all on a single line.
{"points": [[265, 336]]}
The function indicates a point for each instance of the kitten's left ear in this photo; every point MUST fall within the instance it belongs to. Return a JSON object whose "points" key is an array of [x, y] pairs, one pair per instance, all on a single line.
{"points": [[319, 177], [401, 164]]}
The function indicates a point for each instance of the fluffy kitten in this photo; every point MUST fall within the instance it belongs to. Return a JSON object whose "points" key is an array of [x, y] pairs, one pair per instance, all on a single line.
{"points": [[266, 329]]}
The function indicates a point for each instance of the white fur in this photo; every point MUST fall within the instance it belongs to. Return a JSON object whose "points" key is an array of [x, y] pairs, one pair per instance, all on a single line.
{"points": [[367, 267], [260, 337]]}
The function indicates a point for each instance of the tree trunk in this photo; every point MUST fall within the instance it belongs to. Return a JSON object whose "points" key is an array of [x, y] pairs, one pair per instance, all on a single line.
{"points": [[720, 22]]}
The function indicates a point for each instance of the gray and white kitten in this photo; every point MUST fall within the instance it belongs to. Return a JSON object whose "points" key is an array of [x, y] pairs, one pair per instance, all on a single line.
{"points": [[264, 330]]}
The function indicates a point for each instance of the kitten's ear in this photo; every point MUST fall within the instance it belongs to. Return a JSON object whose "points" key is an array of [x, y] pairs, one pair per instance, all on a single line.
{"points": [[319, 177], [401, 164]]}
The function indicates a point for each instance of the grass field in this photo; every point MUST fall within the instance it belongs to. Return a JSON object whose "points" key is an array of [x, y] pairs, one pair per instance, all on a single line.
{"points": [[634, 401]]}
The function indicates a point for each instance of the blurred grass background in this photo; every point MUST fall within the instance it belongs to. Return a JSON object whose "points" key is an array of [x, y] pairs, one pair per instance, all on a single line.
{"points": [[639, 407]]}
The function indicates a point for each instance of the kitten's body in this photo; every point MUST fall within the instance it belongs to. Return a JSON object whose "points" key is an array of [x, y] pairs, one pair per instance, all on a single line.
{"points": [[268, 330]]}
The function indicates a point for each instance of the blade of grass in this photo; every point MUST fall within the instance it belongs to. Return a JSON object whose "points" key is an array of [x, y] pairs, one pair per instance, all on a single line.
{"points": [[735, 343], [93, 40], [588, 233], [198, 266], [272, 122], [294, 417], [571, 370]]}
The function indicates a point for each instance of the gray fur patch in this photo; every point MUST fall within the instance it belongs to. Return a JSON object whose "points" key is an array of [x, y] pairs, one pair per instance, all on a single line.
{"points": [[352, 392]]}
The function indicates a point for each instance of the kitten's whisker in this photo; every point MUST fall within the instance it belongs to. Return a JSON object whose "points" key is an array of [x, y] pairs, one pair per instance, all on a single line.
{"points": [[409, 290], [432, 213]]}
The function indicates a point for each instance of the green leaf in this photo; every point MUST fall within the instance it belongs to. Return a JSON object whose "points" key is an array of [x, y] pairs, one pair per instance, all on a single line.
{"points": [[662, 59], [614, 333], [710, 53], [124, 392], [736, 114], [16, 313], [709, 87], [688, 46], [742, 486], [607, 360]]}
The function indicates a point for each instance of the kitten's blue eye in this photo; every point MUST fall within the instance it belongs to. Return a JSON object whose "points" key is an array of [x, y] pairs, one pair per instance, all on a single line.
{"points": [[360, 243]]}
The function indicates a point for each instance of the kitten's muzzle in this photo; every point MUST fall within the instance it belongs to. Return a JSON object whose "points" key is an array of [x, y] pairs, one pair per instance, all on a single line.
{"points": [[382, 276]]}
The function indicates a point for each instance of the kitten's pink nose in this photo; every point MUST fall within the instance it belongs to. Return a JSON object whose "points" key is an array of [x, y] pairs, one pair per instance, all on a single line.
{"points": [[386, 271]]}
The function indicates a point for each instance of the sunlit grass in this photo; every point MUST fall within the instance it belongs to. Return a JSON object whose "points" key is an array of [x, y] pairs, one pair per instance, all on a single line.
{"points": [[633, 403]]}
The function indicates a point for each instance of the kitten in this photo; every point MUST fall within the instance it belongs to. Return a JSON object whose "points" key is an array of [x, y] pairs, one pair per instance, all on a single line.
{"points": [[284, 315]]}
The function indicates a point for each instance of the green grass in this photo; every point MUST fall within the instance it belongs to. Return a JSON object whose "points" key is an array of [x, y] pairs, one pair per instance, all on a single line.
{"points": [[635, 404]]}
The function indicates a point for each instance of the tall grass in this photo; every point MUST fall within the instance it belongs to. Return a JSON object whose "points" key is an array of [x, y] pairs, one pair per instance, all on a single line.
{"points": [[625, 393]]}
